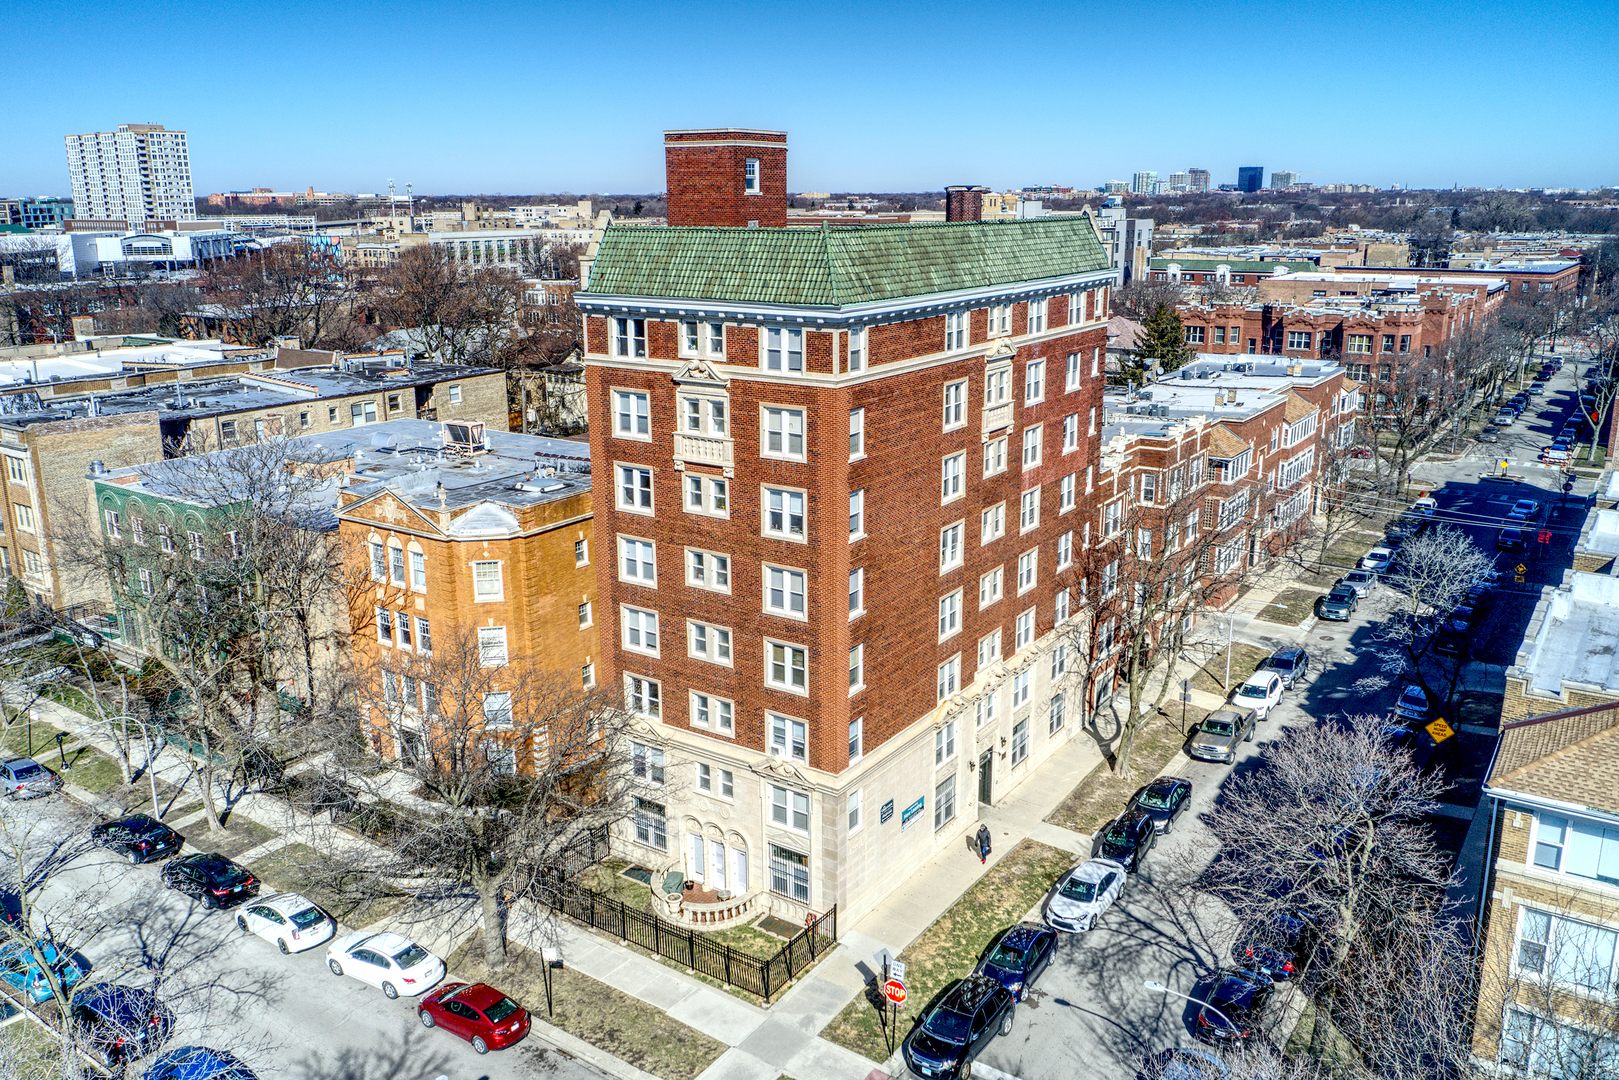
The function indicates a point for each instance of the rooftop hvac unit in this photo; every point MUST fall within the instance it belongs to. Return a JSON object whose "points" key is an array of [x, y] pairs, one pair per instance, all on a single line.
{"points": [[1145, 395], [463, 436]]}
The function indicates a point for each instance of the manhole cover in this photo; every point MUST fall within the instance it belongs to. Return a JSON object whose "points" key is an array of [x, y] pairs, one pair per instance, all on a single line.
{"points": [[1328, 637]]}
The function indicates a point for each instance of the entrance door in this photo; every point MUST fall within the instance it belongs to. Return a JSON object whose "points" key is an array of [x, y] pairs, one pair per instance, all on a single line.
{"points": [[985, 779]]}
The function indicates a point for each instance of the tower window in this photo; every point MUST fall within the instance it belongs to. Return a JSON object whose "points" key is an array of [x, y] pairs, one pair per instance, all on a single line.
{"points": [[750, 176]]}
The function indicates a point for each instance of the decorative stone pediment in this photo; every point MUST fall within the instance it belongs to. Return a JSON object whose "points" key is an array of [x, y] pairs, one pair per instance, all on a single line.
{"points": [[700, 371], [1003, 349], [778, 768]]}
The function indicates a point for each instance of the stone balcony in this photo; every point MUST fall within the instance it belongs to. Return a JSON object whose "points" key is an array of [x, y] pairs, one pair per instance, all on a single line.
{"points": [[705, 450]]}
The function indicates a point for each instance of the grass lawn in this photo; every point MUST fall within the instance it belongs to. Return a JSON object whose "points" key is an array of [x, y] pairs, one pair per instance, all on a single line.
{"points": [[238, 835], [300, 868], [1296, 606], [16, 738], [1101, 795], [92, 770], [1244, 659], [27, 1049], [951, 946], [626, 1027]]}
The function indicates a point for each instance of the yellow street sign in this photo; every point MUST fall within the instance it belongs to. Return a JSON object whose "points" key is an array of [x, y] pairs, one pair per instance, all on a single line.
{"points": [[1521, 568], [1518, 578], [1440, 731]]}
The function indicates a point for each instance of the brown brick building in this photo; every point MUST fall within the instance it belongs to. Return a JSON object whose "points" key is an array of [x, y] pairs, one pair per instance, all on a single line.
{"points": [[841, 471]]}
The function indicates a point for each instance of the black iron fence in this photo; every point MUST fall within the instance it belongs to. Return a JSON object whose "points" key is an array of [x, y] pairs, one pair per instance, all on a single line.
{"points": [[761, 976]]}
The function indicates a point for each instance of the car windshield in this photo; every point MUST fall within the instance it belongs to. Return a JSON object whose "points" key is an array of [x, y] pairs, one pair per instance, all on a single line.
{"points": [[1118, 834], [500, 1010], [1357, 575], [1218, 727], [1074, 889], [1254, 690], [308, 917], [1009, 957], [947, 1025], [1155, 799], [28, 771], [1341, 593], [410, 955]]}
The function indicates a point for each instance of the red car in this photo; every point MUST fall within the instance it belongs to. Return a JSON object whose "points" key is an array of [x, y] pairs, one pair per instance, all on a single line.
{"points": [[477, 1012]]}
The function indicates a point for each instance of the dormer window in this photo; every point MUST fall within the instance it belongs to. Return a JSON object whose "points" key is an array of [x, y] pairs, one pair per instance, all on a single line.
{"points": [[750, 176]]}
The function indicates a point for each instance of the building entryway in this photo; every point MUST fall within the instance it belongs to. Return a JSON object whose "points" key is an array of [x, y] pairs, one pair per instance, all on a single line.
{"points": [[986, 782]]}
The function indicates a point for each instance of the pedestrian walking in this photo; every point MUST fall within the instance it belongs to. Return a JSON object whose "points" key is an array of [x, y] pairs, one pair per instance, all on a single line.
{"points": [[983, 843]]}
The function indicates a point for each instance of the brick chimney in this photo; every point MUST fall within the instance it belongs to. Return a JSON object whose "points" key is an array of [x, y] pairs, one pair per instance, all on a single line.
{"points": [[735, 177], [963, 202]]}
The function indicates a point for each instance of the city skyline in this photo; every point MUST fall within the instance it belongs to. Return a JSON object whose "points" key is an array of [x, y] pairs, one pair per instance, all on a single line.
{"points": [[865, 116]]}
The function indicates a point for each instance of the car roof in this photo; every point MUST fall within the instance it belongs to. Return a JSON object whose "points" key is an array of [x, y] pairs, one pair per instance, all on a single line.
{"points": [[197, 1063], [1164, 783], [1238, 986], [1096, 869], [478, 995], [20, 761], [107, 999], [969, 993], [386, 942], [287, 902], [1263, 677], [1237, 712], [1023, 935], [1289, 652]]}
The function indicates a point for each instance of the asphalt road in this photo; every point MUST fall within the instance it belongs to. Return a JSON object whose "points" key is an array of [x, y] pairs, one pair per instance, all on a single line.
{"points": [[287, 1017], [1090, 1014]]}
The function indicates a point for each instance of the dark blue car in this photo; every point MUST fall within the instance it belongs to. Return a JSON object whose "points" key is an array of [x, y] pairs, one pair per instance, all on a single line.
{"points": [[198, 1063], [950, 1033], [1018, 955], [119, 1023]]}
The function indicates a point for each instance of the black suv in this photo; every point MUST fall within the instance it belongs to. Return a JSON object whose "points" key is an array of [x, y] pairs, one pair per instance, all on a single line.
{"points": [[211, 878], [1234, 1007], [138, 838], [957, 1027], [1128, 839], [118, 1023]]}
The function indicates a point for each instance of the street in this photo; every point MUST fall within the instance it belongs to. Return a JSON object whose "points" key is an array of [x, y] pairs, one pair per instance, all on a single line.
{"points": [[287, 1017]]}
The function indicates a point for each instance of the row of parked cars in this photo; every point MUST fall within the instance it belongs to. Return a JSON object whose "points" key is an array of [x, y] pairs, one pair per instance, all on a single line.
{"points": [[119, 1024]]}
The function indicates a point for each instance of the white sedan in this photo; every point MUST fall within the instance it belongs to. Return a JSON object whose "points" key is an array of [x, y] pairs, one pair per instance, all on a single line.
{"points": [[291, 921], [1377, 559], [1083, 894], [391, 961], [1261, 692]]}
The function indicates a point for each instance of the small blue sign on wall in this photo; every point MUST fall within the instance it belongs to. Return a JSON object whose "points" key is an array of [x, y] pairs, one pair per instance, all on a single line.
{"points": [[886, 812], [910, 813]]}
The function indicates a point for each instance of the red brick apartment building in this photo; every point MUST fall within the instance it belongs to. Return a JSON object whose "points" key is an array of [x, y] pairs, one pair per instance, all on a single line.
{"points": [[838, 471]]}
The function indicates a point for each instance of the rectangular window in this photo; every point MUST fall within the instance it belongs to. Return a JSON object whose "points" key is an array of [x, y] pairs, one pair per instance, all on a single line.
{"points": [[1026, 566], [857, 348], [1000, 320], [1031, 446], [857, 733], [1064, 606], [705, 642], [789, 738], [705, 777], [1020, 741], [424, 636], [1037, 316], [1298, 339], [857, 591], [637, 562], [497, 709], [944, 802], [857, 434], [944, 743], [418, 570], [955, 405], [784, 591], [1358, 343], [1566, 951], [1066, 493], [1194, 335], [1110, 578], [1388, 343], [634, 489], [1029, 510], [1024, 636], [385, 627], [997, 387], [587, 675], [33, 567], [629, 339], [852, 807], [784, 350], [491, 642], [986, 709], [713, 713], [17, 470], [644, 697], [989, 648], [640, 630], [784, 513], [786, 667], [949, 677], [750, 176], [194, 544], [950, 477], [708, 495], [137, 528], [708, 570], [1065, 550], [950, 553], [487, 583], [789, 871], [1113, 518], [112, 525], [995, 456], [1034, 382], [396, 559], [783, 433], [584, 614], [857, 514], [955, 331], [1074, 376], [857, 668], [990, 587], [1020, 690], [1070, 433], [632, 418], [704, 416], [949, 615], [992, 524], [651, 826]]}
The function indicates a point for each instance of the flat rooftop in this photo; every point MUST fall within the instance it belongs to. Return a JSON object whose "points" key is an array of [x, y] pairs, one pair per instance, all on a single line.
{"points": [[1574, 636]]}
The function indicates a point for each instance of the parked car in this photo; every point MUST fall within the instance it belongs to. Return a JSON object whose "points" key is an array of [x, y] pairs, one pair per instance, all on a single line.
{"points": [[1528, 509], [1379, 559], [1535, 389], [388, 960], [1556, 455], [1278, 947], [1505, 418], [118, 1023], [1449, 643], [954, 1031], [1338, 604], [1364, 582], [1233, 1007], [1261, 692], [1182, 1063], [1510, 539], [1290, 662], [138, 837], [211, 878], [477, 1012], [1128, 839], [1216, 738], [1082, 895], [25, 778], [1163, 799], [20, 966], [289, 920], [198, 1063], [1359, 452], [1413, 705], [1427, 506], [1461, 618], [1017, 956], [1487, 436]]}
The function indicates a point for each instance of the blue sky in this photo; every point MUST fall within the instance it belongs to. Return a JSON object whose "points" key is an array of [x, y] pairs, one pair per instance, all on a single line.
{"points": [[895, 96]]}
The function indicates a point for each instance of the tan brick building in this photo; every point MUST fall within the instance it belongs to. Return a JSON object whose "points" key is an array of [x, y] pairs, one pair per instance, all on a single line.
{"points": [[1549, 989]]}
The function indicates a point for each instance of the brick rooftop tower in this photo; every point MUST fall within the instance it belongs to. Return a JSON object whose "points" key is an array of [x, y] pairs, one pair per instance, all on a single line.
{"points": [[733, 177]]}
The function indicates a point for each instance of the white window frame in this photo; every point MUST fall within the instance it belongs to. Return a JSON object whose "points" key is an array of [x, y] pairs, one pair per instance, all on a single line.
{"points": [[949, 615], [951, 546], [956, 331], [793, 663], [492, 651], [857, 592], [1034, 382], [778, 438], [952, 470], [991, 524], [770, 494], [1029, 510], [1023, 632], [481, 594], [632, 415], [944, 743], [949, 682], [781, 349], [709, 570], [856, 349], [705, 414], [792, 585], [991, 587], [638, 630], [1028, 570], [788, 808], [1033, 440], [629, 340], [989, 648], [708, 496], [1074, 375], [636, 480], [1037, 315], [955, 405], [708, 642], [787, 736], [643, 696], [637, 561], [1070, 433], [1067, 493], [995, 456], [857, 434], [1065, 550], [711, 713], [857, 669]]}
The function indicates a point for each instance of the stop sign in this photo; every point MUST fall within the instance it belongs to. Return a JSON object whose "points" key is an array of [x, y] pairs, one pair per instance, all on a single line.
{"points": [[894, 990]]}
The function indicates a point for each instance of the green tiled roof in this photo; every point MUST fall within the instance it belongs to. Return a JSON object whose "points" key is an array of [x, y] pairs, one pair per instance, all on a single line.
{"points": [[832, 267]]}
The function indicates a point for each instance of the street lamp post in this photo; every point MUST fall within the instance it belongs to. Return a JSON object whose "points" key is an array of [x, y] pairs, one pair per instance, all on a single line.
{"points": [[1160, 988]]}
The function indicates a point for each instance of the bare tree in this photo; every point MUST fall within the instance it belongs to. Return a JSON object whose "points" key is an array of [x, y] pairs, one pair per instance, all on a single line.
{"points": [[1139, 299], [1410, 399], [463, 315], [290, 289], [1329, 830], [521, 771]]}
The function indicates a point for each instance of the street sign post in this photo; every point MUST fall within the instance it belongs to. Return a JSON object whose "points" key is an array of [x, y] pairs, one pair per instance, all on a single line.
{"points": [[1440, 731], [894, 991]]}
